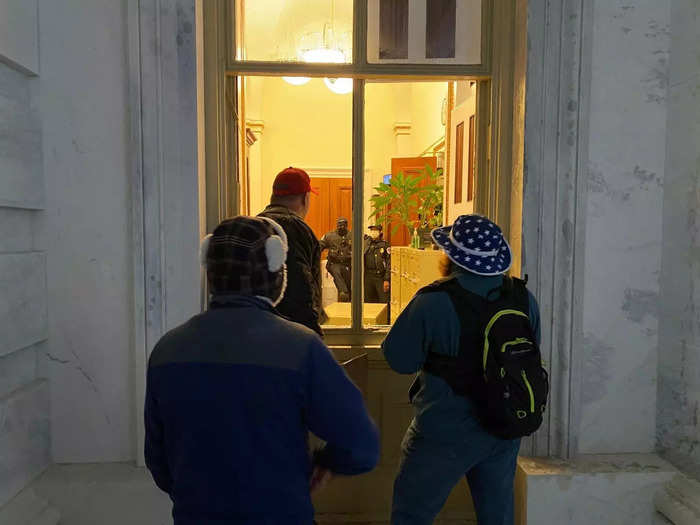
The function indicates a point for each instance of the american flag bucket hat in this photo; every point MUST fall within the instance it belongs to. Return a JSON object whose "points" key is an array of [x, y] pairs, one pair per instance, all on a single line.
{"points": [[476, 244]]}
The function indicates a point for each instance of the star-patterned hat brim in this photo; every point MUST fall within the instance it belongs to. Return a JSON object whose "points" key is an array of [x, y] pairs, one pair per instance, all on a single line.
{"points": [[475, 244]]}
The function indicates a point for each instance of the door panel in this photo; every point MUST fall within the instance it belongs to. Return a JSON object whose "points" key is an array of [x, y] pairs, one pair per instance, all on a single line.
{"points": [[461, 186], [341, 200], [319, 210], [368, 497], [334, 200]]}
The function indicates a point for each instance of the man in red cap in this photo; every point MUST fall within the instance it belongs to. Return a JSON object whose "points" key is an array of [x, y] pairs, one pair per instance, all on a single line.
{"points": [[289, 206]]}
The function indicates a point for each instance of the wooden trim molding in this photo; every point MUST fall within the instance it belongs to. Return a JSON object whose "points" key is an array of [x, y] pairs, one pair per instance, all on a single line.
{"points": [[255, 126], [339, 173], [402, 128]]}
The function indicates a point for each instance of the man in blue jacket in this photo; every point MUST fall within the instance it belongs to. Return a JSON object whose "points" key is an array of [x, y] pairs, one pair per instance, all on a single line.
{"points": [[232, 393], [446, 441]]}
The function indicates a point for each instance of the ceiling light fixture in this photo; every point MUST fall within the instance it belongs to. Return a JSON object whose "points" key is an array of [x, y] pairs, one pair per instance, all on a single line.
{"points": [[296, 81], [340, 86], [330, 53]]}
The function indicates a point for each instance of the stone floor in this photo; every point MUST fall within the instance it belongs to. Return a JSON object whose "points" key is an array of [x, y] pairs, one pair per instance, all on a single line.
{"points": [[114, 494]]}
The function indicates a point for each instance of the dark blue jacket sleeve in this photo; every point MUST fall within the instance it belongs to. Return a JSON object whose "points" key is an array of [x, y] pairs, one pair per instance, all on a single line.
{"points": [[428, 323], [156, 460], [336, 413]]}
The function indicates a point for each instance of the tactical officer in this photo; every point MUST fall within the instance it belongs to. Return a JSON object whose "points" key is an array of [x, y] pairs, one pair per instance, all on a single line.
{"points": [[339, 246], [377, 266]]}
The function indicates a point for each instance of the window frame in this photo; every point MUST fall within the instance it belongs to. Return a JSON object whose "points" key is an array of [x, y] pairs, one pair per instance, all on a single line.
{"points": [[359, 67], [361, 71]]}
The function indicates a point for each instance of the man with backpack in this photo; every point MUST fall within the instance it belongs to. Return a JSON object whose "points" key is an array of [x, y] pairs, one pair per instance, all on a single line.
{"points": [[473, 337]]}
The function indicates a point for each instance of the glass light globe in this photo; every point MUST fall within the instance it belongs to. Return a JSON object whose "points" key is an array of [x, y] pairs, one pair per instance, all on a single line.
{"points": [[296, 81], [341, 86]]}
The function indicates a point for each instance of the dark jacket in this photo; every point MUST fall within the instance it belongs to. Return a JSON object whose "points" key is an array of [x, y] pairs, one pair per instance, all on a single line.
{"points": [[302, 300], [230, 398], [377, 258], [339, 247]]}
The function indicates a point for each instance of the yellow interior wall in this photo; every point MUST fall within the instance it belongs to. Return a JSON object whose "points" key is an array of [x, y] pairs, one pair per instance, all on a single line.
{"points": [[425, 113], [380, 144], [311, 127], [307, 126]]}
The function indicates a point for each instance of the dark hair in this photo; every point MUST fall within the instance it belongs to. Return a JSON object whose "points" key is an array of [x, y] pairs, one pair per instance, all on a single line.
{"points": [[445, 265]]}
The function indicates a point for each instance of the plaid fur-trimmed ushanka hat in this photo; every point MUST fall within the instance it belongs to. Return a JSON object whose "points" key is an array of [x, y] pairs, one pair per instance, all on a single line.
{"points": [[246, 255]]}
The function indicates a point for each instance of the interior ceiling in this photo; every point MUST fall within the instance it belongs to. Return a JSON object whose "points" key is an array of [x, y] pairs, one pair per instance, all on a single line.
{"points": [[272, 27]]}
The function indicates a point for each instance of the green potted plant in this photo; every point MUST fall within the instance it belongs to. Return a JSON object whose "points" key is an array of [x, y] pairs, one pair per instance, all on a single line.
{"points": [[411, 200]]}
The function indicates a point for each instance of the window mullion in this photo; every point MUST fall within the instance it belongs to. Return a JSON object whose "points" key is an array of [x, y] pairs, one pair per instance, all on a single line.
{"points": [[358, 169], [359, 32]]}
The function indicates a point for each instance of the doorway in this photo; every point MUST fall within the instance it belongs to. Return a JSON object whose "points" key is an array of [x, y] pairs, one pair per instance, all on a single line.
{"points": [[165, 95], [352, 81]]}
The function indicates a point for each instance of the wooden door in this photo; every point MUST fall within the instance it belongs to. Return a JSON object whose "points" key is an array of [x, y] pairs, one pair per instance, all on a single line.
{"points": [[334, 200], [319, 209], [406, 165], [341, 200]]}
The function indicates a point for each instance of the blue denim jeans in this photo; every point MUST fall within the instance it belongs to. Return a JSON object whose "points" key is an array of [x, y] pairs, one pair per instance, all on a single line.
{"points": [[432, 465]]}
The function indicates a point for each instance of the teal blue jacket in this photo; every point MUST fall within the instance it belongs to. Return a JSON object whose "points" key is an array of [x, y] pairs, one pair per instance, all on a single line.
{"points": [[430, 324]]}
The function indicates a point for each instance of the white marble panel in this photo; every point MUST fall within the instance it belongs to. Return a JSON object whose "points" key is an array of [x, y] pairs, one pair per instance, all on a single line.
{"points": [[678, 430], [24, 437], [624, 226], [685, 40], [18, 369], [23, 314], [594, 491], [17, 230], [19, 44], [83, 95], [21, 180]]}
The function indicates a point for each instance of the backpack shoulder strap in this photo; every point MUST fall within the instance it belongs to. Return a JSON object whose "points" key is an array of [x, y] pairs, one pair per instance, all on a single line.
{"points": [[521, 296], [462, 300]]}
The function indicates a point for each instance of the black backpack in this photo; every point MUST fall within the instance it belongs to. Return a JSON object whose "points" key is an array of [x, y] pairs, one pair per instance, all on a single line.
{"points": [[499, 365]]}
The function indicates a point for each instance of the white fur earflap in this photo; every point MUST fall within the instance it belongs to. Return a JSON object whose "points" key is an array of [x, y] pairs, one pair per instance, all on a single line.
{"points": [[203, 249], [275, 252], [276, 247]]}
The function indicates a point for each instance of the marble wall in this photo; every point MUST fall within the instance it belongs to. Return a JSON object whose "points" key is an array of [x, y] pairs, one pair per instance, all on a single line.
{"points": [[84, 110], [627, 136], [679, 359], [24, 398], [19, 45]]}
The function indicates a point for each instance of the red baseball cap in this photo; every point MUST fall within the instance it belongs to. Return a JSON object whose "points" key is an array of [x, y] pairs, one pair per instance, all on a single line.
{"points": [[292, 181]]}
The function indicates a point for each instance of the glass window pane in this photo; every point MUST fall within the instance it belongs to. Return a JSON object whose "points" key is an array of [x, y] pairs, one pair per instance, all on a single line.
{"points": [[459, 162], [295, 30], [440, 28], [424, 31], [405, 149], [307, 126], [393, 29]]}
